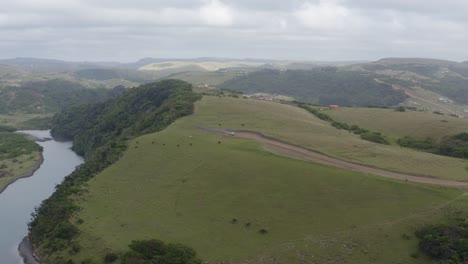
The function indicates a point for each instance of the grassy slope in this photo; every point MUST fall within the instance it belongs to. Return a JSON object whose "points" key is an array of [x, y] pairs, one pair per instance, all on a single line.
{"points": [[297, 126], [398, 124], [189, 194]]}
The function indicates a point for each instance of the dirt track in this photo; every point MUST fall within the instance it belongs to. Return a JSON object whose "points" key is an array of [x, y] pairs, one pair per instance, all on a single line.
{"points": [[290, 150]]}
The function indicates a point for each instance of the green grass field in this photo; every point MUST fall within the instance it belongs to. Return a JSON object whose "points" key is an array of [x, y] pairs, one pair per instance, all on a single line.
{"points": [[297, 126], [399, 124], [181, 185]]}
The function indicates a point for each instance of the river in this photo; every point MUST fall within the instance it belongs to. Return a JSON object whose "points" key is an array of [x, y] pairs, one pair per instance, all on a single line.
{"points": [[18, 201]]}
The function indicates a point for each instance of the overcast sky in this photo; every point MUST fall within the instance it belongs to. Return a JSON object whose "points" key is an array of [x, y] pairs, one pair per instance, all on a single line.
{"points": [[126, 30]]}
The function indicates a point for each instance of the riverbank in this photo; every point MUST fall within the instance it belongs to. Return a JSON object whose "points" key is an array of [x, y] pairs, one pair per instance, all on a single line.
{"points": [[26, 175], [26, 251]]}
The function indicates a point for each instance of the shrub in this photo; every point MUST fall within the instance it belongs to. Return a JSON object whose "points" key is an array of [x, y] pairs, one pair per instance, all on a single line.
{"points": [[400, 109], [375, 137], [148, 248], [110, 257], [409, 142], [155, 251], [445, 243]]}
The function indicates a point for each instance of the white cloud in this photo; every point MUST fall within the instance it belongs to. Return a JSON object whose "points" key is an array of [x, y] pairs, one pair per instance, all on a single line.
{"points": [[215, 13], [327, 15]]}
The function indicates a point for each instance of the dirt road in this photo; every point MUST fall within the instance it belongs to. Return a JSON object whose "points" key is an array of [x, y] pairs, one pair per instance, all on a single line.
{"points": [[290, 150]]}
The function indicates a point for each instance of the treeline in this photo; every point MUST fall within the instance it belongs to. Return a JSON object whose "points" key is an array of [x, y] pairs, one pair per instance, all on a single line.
{"points": [[50, 96], [100, 132], [452, 146], [321, 86], [365, 134]]}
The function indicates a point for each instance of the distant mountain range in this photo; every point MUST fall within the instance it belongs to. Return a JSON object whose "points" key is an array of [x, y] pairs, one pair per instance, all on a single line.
{"points": [[50, 65]]}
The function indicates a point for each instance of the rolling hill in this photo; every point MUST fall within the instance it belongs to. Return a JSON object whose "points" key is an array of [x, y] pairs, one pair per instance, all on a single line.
{"points": [[320, 86], [252, 202], [446, 78]]}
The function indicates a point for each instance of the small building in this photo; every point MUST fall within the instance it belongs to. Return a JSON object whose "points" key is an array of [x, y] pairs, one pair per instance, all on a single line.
{"points": [[334, 107]]}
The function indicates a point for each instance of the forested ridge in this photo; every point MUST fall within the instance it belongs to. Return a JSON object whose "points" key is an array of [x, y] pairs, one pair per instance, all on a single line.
{"points": [[100, 132], [321, 86]]}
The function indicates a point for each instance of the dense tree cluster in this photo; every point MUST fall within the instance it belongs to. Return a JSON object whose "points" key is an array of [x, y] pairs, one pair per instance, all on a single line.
{"points": [[445, 243], [142, 110], [453, 146]]}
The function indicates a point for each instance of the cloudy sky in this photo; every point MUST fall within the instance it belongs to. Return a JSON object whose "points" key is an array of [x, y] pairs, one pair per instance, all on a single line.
{"points": [[126, 30]]}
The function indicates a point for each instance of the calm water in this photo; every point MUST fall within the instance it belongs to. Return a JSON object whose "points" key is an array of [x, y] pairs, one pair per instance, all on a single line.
{"points": [[17, 202]]}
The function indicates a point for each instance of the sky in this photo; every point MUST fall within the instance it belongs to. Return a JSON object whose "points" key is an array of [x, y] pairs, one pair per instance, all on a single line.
{"points": [[325, 30]]}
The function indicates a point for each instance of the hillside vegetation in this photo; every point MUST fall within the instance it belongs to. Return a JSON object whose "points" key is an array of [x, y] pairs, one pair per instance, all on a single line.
{"points": [[18, 155], [447, 78], [100, 132], [210, 190], [49, 96], [139, 111], [321, 86]]}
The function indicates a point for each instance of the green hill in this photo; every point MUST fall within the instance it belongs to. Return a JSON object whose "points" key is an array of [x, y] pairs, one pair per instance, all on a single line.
{"points": [[321, 86], [100, 132], [208, 190]]}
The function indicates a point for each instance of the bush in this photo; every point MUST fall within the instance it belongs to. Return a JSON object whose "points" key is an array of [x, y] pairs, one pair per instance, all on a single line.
{"points": [[155, 251], [110, 257], [375, 137], [400, 109], [445, 243], [409, 142], [148, 248]]}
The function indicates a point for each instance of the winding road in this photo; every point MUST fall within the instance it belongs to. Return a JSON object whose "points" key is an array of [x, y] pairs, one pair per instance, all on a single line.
{"points": [[294, 151]]}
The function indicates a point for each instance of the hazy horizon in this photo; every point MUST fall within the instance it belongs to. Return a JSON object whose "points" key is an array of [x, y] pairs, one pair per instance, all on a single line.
{"points": [[298, 30]]}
